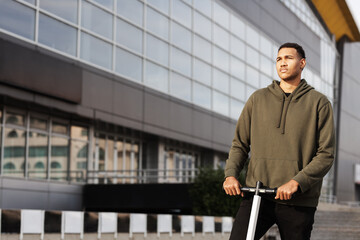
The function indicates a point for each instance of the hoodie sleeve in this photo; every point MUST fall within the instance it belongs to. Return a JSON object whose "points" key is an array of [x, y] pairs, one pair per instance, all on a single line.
{"points": [[241, 143], [324, 157]]}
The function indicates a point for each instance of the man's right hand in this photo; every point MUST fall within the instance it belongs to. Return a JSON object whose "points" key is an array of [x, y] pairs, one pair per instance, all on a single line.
{"points": [[232, 186]]}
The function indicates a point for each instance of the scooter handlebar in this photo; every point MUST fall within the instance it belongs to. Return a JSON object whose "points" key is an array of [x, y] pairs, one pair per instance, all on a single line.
{"points": [[261, 190]]}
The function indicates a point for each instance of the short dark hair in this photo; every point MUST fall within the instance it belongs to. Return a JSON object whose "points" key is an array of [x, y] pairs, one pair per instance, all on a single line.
{"points": [[298, 48]]}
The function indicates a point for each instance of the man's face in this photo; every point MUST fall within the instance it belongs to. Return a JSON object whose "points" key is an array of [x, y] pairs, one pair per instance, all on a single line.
{"points": [[289, 64]]}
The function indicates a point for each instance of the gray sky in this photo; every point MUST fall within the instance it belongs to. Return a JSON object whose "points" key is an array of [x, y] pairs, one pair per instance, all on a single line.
{"points": [[354, 6]]}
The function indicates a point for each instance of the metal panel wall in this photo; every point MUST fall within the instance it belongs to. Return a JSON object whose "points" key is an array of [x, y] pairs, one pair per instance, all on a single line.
{"points": [[349, 136], [280, 24]]}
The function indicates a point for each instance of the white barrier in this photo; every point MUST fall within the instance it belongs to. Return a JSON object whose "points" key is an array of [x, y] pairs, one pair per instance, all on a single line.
{"points": [[32, 222], [138, 224], [226, 224], [187, 225], [208, 224], [164, 224], [72, 222], [107, 223]]}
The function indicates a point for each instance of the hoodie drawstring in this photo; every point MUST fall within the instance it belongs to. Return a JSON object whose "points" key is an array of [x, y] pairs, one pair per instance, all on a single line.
{"points": [[274, 88], [282, 108]]}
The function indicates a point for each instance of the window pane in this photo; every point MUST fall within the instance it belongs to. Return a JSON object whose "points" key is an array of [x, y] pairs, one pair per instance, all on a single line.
{"points": [[156, 77], [106, 3], [132, 10], [202, 72], [14, 152], [181, 37], [274, 71], [180, 87], [236, 108], [60, 128], [160, 5], [220, 103], [237, 68], [252, 76], [221, 59], [38, 155], [252, 57], [265, 47], [203, 6], [133, 154], [14, 118], [128, 64], [264, 81], [157, 50], [202, 48], [266, 65], [180, 61], [78, 162], [157, 23], [129, 36], [237, 89], [30, 1], [201, 95], [66, 9], [249, 90], [109, 165], [96, 20], [95, 51], [202, 25], [17, 18], [237, 27], [120, 155], [79, 132], [252, 37], [102, 153], [220, 81], [221, 15], [238, 48], [57, 35], [274, 52], [181, 12], [38, 123], [221, 37], [59, 158]]}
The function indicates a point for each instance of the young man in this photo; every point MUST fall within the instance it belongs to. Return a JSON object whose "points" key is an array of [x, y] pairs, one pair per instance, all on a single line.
{"points": [[289, 128]]}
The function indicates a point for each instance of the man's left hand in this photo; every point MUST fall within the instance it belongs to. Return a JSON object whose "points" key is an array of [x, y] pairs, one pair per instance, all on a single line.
{"points": [[286, 191]]}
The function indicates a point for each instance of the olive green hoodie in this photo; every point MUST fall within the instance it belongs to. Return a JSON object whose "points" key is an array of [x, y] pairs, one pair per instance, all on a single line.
{"points": [[289, 137]]}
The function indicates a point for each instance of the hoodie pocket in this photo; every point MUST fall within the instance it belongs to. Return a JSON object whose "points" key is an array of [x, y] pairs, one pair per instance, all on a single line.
{"points": [[271, 172]]}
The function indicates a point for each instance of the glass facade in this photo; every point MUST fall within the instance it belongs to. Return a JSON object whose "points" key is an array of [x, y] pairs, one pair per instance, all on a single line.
{"points": [[177, 164], [328, 53], [201, 52], [38, 146], [166, 44]]}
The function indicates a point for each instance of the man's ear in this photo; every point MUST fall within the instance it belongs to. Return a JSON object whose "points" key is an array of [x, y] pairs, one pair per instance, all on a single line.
{"points": [[302, 63]]}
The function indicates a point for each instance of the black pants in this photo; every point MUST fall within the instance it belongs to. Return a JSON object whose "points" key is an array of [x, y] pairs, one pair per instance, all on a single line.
{"points": [[293, 222]]}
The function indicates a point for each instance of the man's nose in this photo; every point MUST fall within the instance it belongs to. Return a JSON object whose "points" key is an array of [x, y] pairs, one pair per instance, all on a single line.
{"points": [[283, 63]]}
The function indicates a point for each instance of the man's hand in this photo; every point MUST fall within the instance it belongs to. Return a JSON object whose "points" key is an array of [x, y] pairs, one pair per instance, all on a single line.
{"points": [[232, 186], [286, 191]]}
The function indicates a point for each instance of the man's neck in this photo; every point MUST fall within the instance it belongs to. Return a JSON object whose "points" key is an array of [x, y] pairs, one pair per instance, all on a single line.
{"points": [[290, 85]]}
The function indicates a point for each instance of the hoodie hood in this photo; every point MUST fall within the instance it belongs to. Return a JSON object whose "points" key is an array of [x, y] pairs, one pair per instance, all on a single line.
{"points": [[300, 91]]}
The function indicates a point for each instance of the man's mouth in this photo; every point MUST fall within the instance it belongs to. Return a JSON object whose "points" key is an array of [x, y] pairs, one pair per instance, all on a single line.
{"points": [[283, 69]]}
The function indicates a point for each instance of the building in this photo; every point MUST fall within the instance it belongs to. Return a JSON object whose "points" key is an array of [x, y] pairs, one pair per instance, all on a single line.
{"points": [[146, 91]]}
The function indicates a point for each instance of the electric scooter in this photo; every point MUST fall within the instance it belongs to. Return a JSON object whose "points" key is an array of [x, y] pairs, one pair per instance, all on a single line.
{"points": [[256, 206]]}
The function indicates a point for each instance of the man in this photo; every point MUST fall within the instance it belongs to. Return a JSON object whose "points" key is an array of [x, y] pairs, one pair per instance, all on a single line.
{"points": [[289, 128]]}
